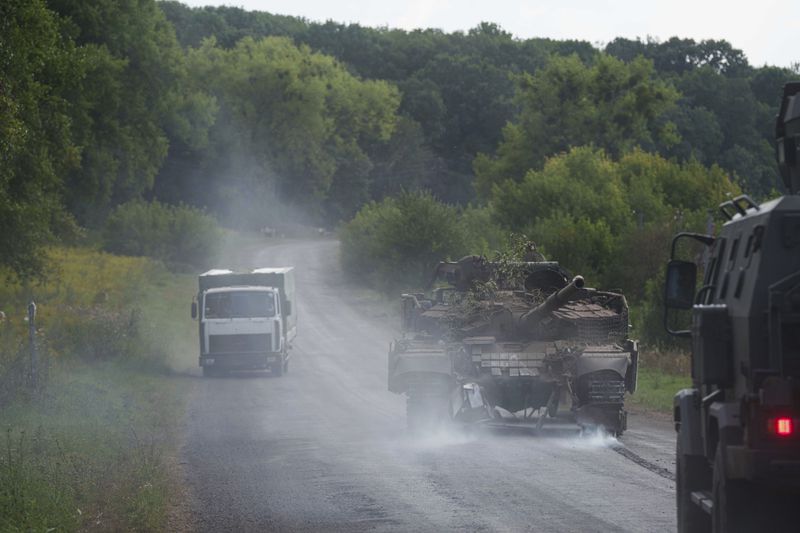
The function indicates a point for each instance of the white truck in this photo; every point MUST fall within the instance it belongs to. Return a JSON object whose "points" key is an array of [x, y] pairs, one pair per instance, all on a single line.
{"points": [[248, 320]]}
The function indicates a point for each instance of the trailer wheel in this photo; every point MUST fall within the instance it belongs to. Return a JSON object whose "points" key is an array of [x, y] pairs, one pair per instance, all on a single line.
{"points": [[286, 366], [691, 473]]}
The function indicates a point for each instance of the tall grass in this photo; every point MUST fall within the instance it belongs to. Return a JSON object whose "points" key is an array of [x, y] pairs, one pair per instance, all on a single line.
{"points": [[88, 451], [662, 373], [90, 454]]}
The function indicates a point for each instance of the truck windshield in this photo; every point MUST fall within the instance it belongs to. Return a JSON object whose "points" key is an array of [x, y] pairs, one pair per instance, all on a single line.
{"points": [[239, 304]]}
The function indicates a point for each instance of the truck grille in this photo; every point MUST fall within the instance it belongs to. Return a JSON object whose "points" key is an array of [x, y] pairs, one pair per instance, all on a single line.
{"points": [[258, 343]]}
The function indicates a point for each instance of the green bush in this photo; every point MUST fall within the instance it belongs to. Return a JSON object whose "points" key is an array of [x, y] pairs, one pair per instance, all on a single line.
{"points": [[612, 220], [582, 246], [396, 243], [178, 235]]}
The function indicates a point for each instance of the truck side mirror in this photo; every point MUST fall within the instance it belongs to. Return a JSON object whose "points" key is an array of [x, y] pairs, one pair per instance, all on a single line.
{"points": [[680, 284], [194, 310]]}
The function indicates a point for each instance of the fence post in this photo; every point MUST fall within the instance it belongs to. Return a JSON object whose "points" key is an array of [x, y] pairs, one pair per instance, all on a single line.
{"points": [[32, 338]]}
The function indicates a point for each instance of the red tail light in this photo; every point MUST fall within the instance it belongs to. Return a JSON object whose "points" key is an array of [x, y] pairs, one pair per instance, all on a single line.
{"points": [[784, 426]]}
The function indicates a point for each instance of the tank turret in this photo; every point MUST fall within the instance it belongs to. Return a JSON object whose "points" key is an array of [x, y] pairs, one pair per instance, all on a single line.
{"points": [[554, 301]]}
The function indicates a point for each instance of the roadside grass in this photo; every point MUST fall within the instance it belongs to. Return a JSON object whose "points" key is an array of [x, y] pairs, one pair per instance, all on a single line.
{"points": [[662, 373], [166, 319], [89, 453], [656, 389], [92, 449]]}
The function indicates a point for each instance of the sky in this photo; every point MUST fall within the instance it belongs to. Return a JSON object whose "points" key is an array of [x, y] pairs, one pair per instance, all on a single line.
{"points": [[766, 30]]}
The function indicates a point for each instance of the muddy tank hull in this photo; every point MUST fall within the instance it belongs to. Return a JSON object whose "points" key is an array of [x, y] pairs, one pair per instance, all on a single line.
{"points": [[480, 379], [513, 340]]}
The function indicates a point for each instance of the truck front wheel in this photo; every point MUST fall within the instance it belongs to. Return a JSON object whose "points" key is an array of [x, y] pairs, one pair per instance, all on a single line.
{"points": [[277, 368]]}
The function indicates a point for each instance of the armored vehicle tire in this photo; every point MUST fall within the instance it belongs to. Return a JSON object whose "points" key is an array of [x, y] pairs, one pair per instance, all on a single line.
{"points": [[741, 506], [691, 473], [736, 502]]}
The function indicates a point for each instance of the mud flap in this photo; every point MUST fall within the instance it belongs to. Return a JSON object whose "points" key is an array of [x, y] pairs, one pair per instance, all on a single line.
{"points": [[473, 406]]}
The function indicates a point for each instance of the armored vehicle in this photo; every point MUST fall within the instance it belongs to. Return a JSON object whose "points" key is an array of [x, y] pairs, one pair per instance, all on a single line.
{"points": [[738, 427], [505, 342]]}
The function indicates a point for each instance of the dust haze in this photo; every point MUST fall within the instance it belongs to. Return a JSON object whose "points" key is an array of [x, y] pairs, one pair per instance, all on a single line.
{"points": [[326, 446]]}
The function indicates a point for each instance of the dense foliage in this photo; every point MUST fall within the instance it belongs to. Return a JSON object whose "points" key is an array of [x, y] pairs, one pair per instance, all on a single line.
{"points": [[85, 447], [396, 243], [610, 219], [460, 88], [175, 234], [37, 69], [113, 111], [610, 104], [293, 126]]}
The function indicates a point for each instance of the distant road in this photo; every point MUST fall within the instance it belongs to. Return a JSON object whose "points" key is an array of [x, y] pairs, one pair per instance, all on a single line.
{"points": [[324, 447]]}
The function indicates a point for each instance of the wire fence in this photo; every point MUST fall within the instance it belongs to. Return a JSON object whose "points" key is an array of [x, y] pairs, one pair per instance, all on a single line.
{"points": [[24, 365]]}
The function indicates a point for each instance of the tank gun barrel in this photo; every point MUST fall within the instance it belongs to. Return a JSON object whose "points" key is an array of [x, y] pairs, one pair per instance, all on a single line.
{"points": [[553, 302]]}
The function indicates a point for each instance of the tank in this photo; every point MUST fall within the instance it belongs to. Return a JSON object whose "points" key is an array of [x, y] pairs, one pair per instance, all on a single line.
{"points": [[513, 342]]}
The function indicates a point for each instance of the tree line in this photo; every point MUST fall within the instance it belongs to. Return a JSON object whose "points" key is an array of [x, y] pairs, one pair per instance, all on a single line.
{"points": [[257, 117]]}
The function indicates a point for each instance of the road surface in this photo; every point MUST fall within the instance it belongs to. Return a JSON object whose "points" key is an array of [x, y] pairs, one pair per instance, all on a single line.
{"points": [[324, 448]]}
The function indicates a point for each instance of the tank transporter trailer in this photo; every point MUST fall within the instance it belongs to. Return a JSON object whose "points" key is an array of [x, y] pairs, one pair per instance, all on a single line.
{"points": [[510, 342]]}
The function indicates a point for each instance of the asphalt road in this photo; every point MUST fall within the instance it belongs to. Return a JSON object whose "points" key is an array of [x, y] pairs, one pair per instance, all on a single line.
{"points": [[324, 447]]}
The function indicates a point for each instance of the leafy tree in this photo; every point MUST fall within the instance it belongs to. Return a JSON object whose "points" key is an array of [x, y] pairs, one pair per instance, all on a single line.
{"points": [[37, 68], [404, 162], [457, 86], [611, 104], [767, 84], [129, 105], [584, 182], [610, 220], [701, 136], [398, 242], [679, 56], [292, 121], [228, 25], [179, 235], [747, 126]]}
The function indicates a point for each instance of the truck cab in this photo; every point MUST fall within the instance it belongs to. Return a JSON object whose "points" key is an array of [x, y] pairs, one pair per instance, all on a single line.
{"points": [[246, 320]]}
